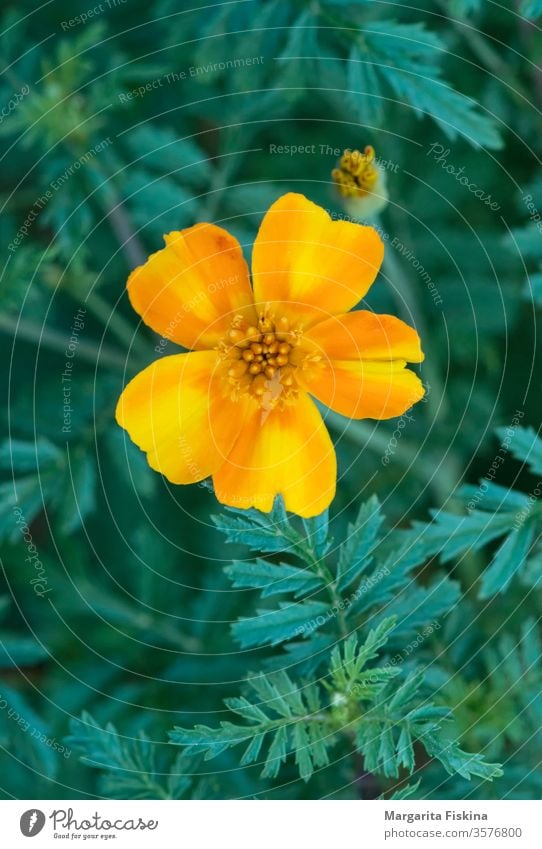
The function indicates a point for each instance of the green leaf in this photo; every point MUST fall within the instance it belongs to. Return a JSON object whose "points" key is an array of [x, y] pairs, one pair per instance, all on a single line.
{"points": [[37, 468], [45, 477], [29, 736], [79, 497], [317, 530], [455, 760], [492, 496], [17, 651], [533, 289], [356, 552], [20, 457], [160, 149], [526, 446], [464, 7], [293, 69], [405, 55], [364, 94], [349, 659], [406, 792], [271, 627], [450, 535], [271, 578], [269, 533], [288, 719], [508, 560], [158, 203], [130, 764], [301, 745], [532, 9], [5, 604], [277, 753]]}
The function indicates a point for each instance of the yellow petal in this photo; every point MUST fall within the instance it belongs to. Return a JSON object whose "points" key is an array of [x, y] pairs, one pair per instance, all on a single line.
{"points": [[175, 412], [190, 290], [364, 389], [314, 266], [286, 451], [365, 335]]}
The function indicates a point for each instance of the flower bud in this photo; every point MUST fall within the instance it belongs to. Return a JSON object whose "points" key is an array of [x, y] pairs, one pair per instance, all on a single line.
{"points": [[361, 183]]}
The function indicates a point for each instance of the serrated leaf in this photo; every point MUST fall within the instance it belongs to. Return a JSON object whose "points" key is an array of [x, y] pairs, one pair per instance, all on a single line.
{"points": [[272, 578], [508, 560], [268, 533], [271, 627], [492, 496], [455, 760], [355, 553], [301, 745], [525, 445], [364, 94], [450, 535], [404, 55], [253, 750], [277, 753], [317, 530]]}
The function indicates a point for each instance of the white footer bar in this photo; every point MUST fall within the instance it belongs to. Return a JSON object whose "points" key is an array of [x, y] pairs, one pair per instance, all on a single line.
{"points": [[268, 825]]}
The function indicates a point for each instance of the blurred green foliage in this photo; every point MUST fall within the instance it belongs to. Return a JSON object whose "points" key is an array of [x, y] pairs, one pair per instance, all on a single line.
{"points": [[127, 626]]}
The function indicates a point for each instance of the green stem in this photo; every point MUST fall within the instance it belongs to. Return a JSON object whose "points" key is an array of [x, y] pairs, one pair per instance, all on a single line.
{"points": [[112, 205], [220, 181], [330, 582], [118, 325], [38, 334]]}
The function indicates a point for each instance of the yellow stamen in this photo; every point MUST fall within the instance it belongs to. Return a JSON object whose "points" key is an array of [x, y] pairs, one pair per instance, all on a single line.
{"points": [[259, 360], [357, 173]]}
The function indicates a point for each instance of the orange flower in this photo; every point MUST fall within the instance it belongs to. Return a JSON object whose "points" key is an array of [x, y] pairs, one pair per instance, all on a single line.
{"points": [[238, 407]]}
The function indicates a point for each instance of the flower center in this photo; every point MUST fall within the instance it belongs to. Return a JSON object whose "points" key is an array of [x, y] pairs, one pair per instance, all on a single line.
{"points": [[259, 360]]}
